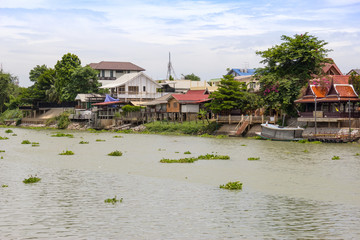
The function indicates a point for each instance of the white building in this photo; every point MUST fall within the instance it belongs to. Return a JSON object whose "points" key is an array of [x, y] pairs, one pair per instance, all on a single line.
{"points": [[135, 86]]}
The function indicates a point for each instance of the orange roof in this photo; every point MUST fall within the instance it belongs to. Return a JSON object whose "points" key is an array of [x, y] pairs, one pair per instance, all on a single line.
{"points": [[319, 91], [345, 91], [340, 79]]}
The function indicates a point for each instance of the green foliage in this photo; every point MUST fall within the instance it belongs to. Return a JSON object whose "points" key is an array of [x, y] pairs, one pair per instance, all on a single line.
{"points": [[11, 114], [335, 158], [67, 152], [9, 131], [5, 82], [63, 135], [232, 95], [118, 136], [113, 200], [193, 159], [129, 108], [307, 141], [31, 179], [3, 138], [116, 153], [26, 142], [2, 151], [232, 186], [243, 145], [63, 121], [100, 140], [191, 128], [253, 158], [4, 186], [35, 144], [288, 68], [83, 142], [192, 77], [354, 79], [306, 151], [187, 152]]}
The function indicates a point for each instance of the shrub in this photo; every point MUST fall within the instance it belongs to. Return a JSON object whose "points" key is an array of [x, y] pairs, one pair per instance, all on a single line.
{"points": [[232, 186], [31, 179], [63, 121], [116, 153], [67, 152], [26, 142], [113, 200], [129, 108]]}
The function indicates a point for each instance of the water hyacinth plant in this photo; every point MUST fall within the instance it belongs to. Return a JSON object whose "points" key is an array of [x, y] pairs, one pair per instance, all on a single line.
{"points": [[4, 186], [2, 150], [117, 136], [31, 179], [113, 200], [232, 186], [187, 152], [193, 159], [25, 142], [67, 152], [116, 153], [335, 158], [253, 158], [35, 144], [181, 160], [63, 135], [83, 142], [100, 140], [9, 131], [3, 138]]}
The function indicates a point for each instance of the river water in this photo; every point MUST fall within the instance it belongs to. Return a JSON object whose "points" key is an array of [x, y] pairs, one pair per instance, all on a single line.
{"points": [[295, 191]]}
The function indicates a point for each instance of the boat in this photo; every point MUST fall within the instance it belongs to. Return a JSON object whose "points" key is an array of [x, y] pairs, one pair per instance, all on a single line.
{"points": [[279, 133]]}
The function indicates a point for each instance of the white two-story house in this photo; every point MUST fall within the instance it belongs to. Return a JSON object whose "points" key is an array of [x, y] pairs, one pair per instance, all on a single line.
{"points": [[110, 71], [136, 86]]}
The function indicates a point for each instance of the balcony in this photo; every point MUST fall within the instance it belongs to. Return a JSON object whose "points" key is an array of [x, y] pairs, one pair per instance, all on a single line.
{"points": [[107, 78]]}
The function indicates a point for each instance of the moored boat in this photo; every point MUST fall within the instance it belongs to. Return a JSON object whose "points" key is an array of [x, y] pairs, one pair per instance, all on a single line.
{"points": [[278, 133]]}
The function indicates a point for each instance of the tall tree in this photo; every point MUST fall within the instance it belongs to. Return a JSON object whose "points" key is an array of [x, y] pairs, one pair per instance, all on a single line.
{"points": [[355, 81], [288, 67], [64, 68], [5, 82], [231, 95]]}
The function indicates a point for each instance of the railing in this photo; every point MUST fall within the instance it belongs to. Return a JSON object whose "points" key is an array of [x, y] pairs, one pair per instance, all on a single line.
{"points": [[332, 114], [107, 78]]}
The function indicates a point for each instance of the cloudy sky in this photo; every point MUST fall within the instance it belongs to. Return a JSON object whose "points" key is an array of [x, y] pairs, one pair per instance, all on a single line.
{"points": [[204, 37]]}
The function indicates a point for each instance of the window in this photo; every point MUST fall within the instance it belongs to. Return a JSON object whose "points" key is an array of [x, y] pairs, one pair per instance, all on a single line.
{"points": [[133, 89], [111, 73], [103, 73], [144, 88], [128, 71], [119, 71], [122, 90], [175, 105]]}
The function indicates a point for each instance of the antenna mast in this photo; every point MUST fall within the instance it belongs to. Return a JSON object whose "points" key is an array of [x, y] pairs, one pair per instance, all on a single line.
{"points": [[170, 70]]}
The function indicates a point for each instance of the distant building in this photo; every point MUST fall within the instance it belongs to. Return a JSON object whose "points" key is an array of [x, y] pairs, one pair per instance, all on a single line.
{"points": [[246, 76], [110, 71], [354, 71]]}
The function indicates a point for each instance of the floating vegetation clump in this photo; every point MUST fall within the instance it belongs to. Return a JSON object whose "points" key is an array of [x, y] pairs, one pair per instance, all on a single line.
{"points": [[117, 136], [3, 138], [181, 160], [25, 142], [67, 152], [232, 186], [160, 149], [177, 152], [222, 136], [2, 150], [307, 141], [83, 142], [14, 135], [63, 135], [193, 159], [4, 185], [2, 157], [113, 200], [306, 151], [243, 145], [253, 158], [9, 131], [213, 157], [100, 140], [116, 153], [335, 158], [35, 144], [31, 179], [187, 152], [357, 154]]}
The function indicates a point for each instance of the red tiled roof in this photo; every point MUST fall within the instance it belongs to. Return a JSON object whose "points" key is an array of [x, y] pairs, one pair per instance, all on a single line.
{"points": [[192, 97], [345, 91], [104, 65], [340, 79], [202, 92], [328, 66]]}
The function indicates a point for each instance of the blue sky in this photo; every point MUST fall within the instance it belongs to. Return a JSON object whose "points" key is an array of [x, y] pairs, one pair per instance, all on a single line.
{"points": [[204, 37]]}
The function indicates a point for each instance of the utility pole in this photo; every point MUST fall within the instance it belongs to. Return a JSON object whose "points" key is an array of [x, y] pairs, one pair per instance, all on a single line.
{"points": [[170, 70]]}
